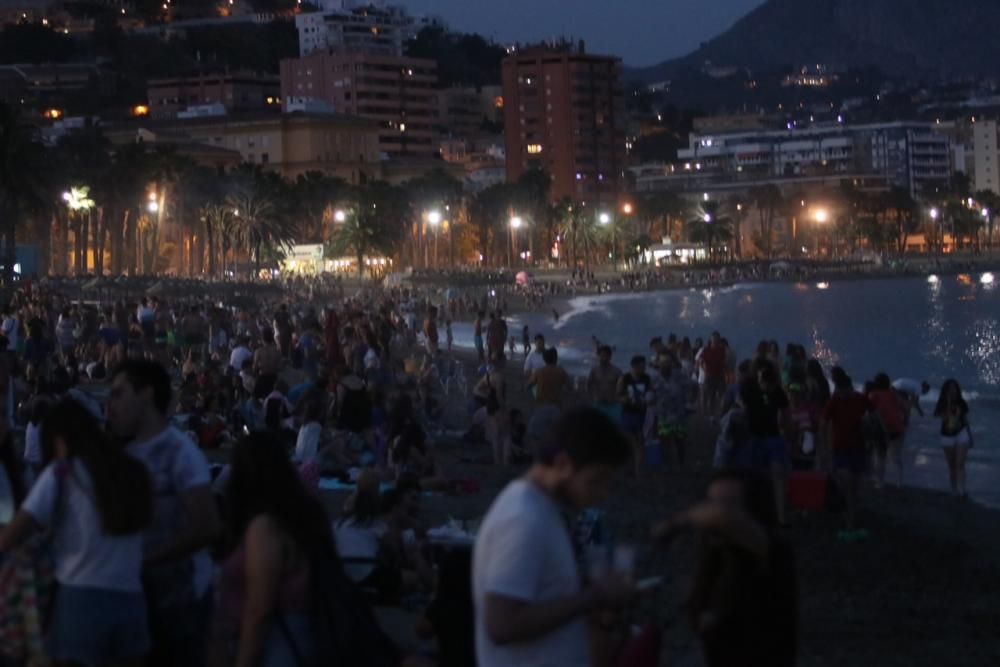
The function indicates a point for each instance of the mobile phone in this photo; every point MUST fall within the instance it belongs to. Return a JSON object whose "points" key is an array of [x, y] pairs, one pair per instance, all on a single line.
{"points": [[648, 583]]}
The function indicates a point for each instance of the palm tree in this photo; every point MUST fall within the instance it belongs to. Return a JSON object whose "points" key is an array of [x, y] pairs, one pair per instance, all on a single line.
{"points": [[316, 196], [359, 235], [661, 207], [738, 211], [24, 184], [586, 233], [990, 203], [767, 199], [710, 227]]}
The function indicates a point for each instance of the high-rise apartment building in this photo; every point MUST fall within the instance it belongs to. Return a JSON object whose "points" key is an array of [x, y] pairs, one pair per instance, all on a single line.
{"points": [[985, 156], [564, 113], [374, 27], [397, 92]]}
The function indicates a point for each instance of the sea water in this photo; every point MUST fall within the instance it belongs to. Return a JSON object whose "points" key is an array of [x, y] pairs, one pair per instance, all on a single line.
{"points": [[924, 328]]}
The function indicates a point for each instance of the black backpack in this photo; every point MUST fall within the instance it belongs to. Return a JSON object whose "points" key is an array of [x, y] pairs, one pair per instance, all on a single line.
{"points": [[349, 633]]}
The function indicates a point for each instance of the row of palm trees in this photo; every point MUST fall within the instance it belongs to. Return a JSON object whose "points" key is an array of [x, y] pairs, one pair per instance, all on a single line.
{"points": [[98, 208]]}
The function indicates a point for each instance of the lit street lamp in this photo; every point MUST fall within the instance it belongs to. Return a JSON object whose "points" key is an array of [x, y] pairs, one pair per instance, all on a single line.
{"points": [[153, 206], [707, 217], [340, 215], [821, 215], [515, 224], [627, 209], [433, 219], [604, 218]]}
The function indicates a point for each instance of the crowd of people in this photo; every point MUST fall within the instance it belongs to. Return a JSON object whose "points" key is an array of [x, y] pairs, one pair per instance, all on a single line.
{"points": [[171, 459]]}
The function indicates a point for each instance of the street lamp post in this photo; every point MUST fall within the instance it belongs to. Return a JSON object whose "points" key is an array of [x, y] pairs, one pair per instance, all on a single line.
{"points": [[434, 219], [820, 215], [515, 224], [935, 214]]}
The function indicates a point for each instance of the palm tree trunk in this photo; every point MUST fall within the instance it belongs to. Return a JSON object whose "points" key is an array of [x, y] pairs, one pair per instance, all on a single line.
{"points": [[210, 239]]}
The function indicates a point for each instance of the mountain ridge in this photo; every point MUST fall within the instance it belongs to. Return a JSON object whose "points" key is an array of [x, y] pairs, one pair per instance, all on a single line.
{"points": [[919, 39]]}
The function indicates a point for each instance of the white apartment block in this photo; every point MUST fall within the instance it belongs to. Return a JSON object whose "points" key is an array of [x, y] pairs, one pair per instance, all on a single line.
{"points": [[349, 25], [985, 157], [910, 155]]}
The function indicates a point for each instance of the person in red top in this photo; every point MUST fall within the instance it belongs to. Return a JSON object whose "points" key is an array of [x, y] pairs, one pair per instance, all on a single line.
{"points": [[844, 417], [890, 407], [713, 363]]}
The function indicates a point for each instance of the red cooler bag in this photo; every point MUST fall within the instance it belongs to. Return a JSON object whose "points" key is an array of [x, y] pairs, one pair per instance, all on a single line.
{"points": [[807, 490]]}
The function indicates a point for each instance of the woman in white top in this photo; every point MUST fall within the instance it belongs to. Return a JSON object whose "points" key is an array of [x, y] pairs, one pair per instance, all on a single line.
{"points": [[96, 500], [307, 444]]}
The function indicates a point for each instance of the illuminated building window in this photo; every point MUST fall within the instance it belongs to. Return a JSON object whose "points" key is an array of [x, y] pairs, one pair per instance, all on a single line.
{"points": [[534, 149]]}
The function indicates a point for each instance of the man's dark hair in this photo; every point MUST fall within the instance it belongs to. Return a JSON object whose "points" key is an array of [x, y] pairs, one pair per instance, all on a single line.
{"points": [[604, 349], [637, 359], [588, 437], [540, 337], [141, 374]]}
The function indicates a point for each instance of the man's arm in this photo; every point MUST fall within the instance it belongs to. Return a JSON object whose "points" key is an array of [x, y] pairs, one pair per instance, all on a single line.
{"points": [[509, 620], [202, 527]]}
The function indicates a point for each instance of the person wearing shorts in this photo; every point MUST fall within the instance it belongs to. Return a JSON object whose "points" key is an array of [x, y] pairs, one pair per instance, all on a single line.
{"points": [[845, 417], [633, 391], [956, 434], [766, 406]]}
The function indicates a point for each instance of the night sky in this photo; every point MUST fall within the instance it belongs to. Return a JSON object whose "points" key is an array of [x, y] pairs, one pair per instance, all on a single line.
{"points": [[642, 32]]}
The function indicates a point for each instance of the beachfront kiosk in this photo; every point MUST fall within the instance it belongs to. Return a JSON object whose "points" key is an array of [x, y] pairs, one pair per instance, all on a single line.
{"points": [[668, 253]]}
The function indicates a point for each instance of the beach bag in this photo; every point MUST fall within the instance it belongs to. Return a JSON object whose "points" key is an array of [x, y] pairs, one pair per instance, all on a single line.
{"points": [[27, 589]]}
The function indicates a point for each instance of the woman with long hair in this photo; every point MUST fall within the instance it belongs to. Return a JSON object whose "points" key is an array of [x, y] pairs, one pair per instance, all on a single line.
{"points": [[283, 591], [95, 500], [956, 433]]}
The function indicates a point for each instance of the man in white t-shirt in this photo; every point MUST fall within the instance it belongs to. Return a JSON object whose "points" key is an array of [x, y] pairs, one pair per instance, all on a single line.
{"points": [[178, 569], [531, 609], [534, 361]]}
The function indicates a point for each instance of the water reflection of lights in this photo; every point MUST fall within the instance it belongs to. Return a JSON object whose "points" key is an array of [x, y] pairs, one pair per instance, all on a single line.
{"points": [[984, 350], [932, 279], [964, 279], [822, 285], [986, 278]]}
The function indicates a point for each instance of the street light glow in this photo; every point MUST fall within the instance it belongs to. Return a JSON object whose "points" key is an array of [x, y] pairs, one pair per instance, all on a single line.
{"points": [[627, 209], [153, 207], [707, 217], [67, 196], [604, 218], [434, 217], [935, 213], [986, 213], [516, 222], [821, 215], [339, 215]]}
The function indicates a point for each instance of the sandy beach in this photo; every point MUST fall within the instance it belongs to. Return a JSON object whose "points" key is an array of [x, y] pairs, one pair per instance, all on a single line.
{"points": [[924, 583]]}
